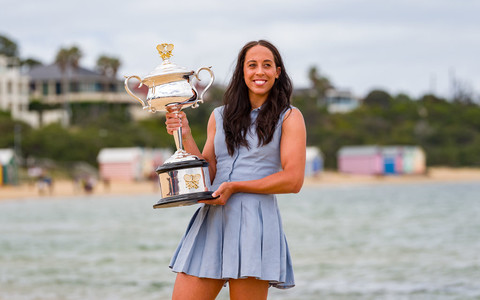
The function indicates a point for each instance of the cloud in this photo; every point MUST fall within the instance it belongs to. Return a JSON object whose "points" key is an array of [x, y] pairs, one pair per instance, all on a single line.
{"points": [[398, 45]]}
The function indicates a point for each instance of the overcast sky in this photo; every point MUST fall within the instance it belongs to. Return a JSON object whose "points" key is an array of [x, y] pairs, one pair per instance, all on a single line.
{"points": [[410, 46]]}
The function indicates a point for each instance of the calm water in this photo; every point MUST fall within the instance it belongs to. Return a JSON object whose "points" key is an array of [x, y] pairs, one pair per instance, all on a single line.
{"points": [[352, 242]]}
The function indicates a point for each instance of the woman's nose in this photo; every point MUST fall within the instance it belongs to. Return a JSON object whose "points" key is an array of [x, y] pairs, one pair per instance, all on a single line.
{"points": [[260, 70]]}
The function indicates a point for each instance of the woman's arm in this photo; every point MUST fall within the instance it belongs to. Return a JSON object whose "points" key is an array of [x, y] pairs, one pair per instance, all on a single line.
{"points": [[292, 156]]}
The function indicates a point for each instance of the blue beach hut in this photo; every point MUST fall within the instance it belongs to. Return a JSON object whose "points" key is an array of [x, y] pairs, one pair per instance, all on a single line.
{"points": [[314, 162], [392, 160]]}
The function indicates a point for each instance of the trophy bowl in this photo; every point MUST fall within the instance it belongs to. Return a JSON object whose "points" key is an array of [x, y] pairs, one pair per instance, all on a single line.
{"points": [[184, 178]]}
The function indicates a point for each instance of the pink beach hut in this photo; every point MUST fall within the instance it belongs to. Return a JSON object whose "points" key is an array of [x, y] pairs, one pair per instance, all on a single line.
{"points": [[367, 160], [120, 163]]}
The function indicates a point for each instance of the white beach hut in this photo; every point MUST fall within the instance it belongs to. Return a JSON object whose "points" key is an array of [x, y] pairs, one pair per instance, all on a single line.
{"points": [[414, 160], [8, 167]]}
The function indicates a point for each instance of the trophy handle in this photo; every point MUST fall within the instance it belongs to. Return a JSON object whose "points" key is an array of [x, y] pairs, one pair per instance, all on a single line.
{"points": [[212, 78], [131, 93]]}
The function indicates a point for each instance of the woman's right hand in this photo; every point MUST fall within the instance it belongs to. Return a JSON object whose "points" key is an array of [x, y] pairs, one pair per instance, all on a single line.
{"points": [[176, 120]]}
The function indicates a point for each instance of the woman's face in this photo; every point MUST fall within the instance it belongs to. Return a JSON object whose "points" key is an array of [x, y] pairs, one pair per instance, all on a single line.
{"points": [[259, 71]]}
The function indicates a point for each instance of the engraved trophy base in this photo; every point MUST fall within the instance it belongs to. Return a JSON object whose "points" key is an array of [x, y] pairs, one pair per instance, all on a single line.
{"points": [[184, 180]]}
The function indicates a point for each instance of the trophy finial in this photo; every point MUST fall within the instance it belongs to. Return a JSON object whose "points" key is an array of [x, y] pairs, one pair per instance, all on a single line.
{"points": [[165, 50]]}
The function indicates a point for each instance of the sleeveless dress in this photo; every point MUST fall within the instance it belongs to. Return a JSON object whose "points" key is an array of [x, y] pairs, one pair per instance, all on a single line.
{"points": [[243, 238]]}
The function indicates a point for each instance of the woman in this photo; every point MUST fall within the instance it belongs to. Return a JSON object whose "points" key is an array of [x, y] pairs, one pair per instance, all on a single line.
{"points": [[255, 148]]}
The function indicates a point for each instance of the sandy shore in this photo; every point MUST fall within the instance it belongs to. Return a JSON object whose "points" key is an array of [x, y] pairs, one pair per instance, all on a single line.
{"points": [[63, 188], [436, 174]]}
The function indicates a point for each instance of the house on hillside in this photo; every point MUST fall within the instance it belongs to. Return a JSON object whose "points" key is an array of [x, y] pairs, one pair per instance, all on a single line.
{"points": [[13, 90], [340, 101], [50, 85], [335, 100]]}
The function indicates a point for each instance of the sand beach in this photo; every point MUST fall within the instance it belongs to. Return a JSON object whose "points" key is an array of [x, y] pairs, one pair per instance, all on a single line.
{"points": [[62, 187]]}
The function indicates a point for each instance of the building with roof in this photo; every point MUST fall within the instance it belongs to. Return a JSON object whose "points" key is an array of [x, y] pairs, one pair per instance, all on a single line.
{"points": [[54, 86], [13, 89], [335, 100], [50, 84], [340, 101]]}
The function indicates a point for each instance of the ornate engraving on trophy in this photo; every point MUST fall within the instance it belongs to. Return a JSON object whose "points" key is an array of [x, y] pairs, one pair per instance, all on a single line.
{"points": [[192, 181]]}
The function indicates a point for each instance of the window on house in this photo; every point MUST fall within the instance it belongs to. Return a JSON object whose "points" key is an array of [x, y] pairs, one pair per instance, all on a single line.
{"points": [[74, 87], [58, 88], [45, 88]]}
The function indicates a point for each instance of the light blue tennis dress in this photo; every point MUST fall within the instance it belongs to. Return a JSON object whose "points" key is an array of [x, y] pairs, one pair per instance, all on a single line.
{"points": [[243, 238]]}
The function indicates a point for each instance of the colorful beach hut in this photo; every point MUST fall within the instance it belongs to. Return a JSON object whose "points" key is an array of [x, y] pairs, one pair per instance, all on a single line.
{"points": [[381, 160], [314, 162], [392, 157], [120, 163], [8, 167], [414, 160], [367, 160]]}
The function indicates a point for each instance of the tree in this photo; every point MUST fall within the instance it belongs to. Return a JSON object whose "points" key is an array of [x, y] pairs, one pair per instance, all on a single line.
{"points": [[378, 98], [8, 47], [108, 66], [67, 59], [38, 106], [320, 83], [29, 63]]}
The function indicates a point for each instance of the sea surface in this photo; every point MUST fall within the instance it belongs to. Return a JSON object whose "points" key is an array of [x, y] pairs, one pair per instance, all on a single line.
{"points": [[403, 241]]}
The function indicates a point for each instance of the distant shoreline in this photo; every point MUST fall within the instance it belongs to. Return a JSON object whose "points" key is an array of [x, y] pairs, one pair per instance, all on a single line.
{"points": [[65, 188]]}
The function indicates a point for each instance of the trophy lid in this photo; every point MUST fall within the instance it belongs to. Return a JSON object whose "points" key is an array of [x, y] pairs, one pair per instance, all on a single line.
{"points": [[167, 71]]}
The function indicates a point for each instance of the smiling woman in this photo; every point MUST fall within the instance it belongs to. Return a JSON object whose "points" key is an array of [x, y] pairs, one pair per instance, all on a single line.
{"points": [[255, 149]]}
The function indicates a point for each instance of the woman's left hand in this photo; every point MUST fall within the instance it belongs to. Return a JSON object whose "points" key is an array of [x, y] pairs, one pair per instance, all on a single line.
{"points": [[224, 191]]}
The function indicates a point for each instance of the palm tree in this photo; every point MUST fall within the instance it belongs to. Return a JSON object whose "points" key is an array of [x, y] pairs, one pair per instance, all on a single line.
{"points": [[108, 67], [8, 47], [320, 84], [67, 59]]}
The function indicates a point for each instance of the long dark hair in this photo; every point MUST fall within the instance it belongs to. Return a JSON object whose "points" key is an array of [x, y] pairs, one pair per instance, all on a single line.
{"points": [[236, 114]]}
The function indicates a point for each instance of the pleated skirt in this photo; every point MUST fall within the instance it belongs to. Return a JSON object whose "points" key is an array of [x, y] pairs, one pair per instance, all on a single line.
{"points": [[243, 238]]}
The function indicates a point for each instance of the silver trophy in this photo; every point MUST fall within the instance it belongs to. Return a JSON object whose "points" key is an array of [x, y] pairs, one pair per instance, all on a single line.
{"points": [[184, 178]]}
